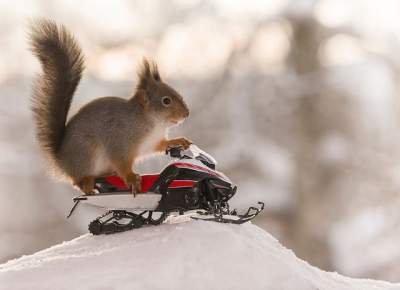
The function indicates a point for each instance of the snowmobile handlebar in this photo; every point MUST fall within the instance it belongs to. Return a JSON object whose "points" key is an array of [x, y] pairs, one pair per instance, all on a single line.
{"points": [[174, 151], [192, 152]]}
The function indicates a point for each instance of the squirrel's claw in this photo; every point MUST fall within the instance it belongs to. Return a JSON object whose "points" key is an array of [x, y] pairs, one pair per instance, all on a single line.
{"points": [[134, 189]]}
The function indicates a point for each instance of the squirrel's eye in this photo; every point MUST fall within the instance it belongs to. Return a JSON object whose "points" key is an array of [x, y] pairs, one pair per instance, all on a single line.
{"points": [[166, 101]]}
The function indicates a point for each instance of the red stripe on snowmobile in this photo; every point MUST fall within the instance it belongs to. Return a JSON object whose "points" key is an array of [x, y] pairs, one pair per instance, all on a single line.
{"points": [[196, 167], [181, 183], [116, 181], [146, 182]]}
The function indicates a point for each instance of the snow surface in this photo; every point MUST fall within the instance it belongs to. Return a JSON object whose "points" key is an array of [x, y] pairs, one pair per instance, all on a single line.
{"points": [[191, 255]]}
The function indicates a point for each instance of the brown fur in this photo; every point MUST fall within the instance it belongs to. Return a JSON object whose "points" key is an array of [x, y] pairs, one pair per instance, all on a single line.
{"points": [[108, 134], [63, 65]]}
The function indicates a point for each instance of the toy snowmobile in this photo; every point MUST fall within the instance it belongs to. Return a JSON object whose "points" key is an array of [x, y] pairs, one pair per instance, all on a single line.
{"points": [[189, 183]]}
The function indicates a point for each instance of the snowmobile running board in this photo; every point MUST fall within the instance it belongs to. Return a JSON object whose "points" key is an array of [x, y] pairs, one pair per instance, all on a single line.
{"points": [[119, 200]]}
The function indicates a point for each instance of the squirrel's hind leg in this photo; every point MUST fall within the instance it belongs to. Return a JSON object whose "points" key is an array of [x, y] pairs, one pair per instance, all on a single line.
{"points": [[86, 184], [132, 179]]}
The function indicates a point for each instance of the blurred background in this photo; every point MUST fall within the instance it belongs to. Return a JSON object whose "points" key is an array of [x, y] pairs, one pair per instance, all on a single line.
{"points": [[297, 100]]}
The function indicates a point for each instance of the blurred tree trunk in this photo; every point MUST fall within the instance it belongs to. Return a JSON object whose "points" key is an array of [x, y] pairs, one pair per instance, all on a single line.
{"points": [[321, 112]]}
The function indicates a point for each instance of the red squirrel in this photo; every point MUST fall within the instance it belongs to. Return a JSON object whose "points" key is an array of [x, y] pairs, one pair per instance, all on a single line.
{"points": [[108, 134]]}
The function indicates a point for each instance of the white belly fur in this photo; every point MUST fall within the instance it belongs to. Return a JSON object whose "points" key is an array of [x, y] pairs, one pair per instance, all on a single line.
{"points": [[102, 164], [148, 145]]}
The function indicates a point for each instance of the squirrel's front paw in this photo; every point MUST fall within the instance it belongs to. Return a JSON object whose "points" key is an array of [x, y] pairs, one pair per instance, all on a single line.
{"points": [[185, 143], [134, 182]]}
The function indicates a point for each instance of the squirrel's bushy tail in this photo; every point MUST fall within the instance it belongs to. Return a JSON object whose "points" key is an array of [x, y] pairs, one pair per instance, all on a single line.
{"points": [[62, 66]]}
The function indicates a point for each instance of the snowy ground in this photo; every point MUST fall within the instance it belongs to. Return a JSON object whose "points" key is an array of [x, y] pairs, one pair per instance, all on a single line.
{"points": [[191, 255]]}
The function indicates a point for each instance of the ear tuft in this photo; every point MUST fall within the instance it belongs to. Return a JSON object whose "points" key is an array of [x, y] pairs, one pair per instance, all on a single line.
{"points": [[148, 73], [154, 71]]}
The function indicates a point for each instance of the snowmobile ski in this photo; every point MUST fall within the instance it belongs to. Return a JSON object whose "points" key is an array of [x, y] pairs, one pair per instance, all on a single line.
{"points": [[230, 217]]}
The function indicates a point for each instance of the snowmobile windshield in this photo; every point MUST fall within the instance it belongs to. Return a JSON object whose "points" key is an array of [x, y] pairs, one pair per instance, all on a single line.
{"points": [[202, 156]]}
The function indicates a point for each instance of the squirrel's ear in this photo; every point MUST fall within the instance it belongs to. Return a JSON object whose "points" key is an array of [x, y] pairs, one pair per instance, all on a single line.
{"points": [[148, 74], [142, 98]]}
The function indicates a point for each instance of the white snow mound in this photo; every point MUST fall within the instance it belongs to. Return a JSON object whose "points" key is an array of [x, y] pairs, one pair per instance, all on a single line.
{"points": [[192, 255]]}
